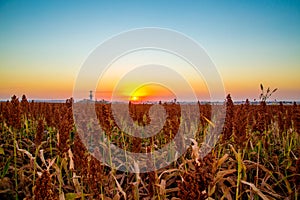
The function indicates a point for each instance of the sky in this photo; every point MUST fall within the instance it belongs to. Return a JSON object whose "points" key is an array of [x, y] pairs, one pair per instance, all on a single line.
{"points": [[43, 44]]}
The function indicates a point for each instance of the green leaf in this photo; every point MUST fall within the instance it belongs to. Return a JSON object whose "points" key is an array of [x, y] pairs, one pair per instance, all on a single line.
{"points": [[71, 196], [6, 166], [1, 151]]}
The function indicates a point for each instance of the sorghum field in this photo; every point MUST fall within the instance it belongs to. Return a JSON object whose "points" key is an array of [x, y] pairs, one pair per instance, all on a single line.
{"points": [[256, 156]]}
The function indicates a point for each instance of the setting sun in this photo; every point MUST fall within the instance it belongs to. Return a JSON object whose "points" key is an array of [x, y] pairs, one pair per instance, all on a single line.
{"points": [[134, 98], [151, 92]]}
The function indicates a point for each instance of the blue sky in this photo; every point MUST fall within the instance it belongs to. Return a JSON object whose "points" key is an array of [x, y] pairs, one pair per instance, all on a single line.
{"points": [[44, 43]]}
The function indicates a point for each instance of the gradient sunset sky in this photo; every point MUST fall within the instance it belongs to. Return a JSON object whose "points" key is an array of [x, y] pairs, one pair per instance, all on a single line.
{"points": [[44, 43]]}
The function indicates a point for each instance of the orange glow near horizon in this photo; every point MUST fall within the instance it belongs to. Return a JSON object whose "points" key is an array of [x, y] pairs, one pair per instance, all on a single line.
{"points": [[151, 75], [39, 83], [144, 93]]}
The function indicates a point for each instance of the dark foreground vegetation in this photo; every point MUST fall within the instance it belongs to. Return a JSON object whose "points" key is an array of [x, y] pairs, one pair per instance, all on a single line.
{"points": [[256, 157]]}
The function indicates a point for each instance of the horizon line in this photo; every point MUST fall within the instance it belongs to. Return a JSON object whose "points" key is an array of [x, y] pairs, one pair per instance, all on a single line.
{"points": [[163, 101]]}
